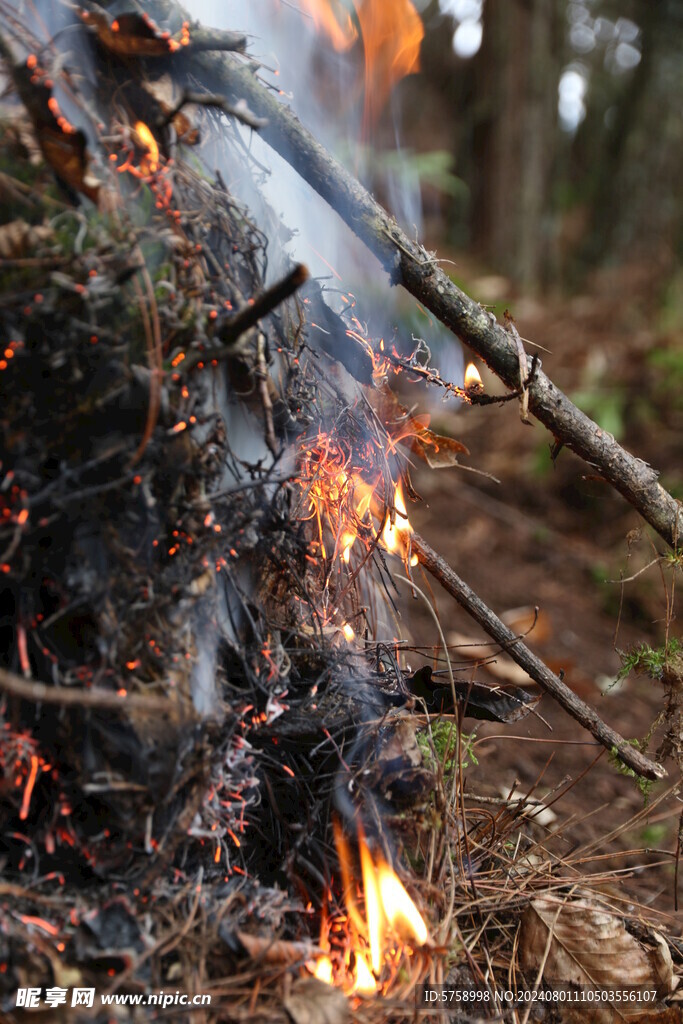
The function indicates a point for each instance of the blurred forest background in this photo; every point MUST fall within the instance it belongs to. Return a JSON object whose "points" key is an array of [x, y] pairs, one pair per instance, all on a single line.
{"points": [[566, 129]]}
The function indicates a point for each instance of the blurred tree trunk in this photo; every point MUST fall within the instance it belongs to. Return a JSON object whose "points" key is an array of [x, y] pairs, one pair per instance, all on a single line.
{"points": [[607, 201], [515, 135]]}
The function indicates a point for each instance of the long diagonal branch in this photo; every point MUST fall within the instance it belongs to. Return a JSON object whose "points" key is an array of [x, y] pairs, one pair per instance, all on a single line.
{"points": [[536, 669]]}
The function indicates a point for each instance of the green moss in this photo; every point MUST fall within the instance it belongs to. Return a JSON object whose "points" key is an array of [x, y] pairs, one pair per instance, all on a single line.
{"points": [[443, 752], [646, 660]]}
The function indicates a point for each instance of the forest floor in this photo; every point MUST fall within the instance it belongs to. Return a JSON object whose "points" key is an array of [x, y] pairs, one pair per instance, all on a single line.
{"points": [[548, 535]]}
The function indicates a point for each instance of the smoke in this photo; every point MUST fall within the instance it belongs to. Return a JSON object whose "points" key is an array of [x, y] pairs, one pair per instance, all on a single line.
{"points": [[325, 89]]}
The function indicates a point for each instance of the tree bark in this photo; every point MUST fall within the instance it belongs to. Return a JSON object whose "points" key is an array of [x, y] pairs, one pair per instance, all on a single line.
{"points": [[515, 136]]}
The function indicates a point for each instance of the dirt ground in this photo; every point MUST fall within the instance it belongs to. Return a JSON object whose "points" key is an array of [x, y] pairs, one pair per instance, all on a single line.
{"points": [[550, 536]]}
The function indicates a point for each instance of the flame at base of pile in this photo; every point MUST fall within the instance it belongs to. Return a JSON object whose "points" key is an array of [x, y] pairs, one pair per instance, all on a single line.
{"points": [[365, 948]]}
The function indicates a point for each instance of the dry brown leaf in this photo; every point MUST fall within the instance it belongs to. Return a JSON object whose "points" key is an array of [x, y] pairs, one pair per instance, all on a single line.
{"points": [[397, 769], [311, 1001], [531, 623], [17, 238], [413, 431], [579, 944]]}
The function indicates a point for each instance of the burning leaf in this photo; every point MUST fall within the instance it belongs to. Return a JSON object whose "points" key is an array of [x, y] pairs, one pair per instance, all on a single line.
{"points": [[132, 35], [144, 138], [580, 944], [486, 703], [413, 431], [311, 1001]]}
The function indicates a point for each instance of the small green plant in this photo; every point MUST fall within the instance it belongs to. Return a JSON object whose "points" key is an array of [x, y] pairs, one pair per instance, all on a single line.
{"points": [[444, 750], [674, 558]]}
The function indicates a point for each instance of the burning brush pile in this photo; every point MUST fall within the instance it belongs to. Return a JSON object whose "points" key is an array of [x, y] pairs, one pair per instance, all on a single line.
{"points": [[216, 773]]}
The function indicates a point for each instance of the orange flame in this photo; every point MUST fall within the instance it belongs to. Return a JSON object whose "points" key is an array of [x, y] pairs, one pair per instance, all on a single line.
{"points": [[341, 501], [348, 632], [150, 162], [363, 952], [396, 535], [332, 18], [392, 32], [473, 381]]}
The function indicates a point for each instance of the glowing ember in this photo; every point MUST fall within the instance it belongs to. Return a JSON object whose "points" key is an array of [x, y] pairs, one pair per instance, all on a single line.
{"points": [[26, 802], [348, 632], [145, 139], [363, 952], [473, 381], [392, 32]]}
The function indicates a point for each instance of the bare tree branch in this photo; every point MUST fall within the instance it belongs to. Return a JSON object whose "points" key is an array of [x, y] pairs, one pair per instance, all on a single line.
{"points": [[531, 664]]}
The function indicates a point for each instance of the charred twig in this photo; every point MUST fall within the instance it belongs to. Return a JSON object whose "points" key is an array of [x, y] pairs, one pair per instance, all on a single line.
{"points": [[409, 264], [202, 39], [77, 696], [231, 328], [531, 664]]}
